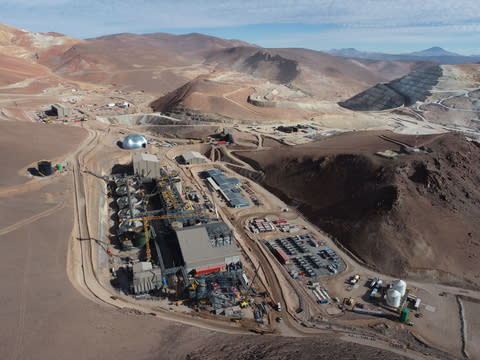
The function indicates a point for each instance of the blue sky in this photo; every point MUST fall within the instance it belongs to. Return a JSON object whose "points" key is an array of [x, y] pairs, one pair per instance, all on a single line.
{"points": [[370, 25]]}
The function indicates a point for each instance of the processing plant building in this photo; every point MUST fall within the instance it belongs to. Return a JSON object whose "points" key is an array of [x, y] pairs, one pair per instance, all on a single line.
{"points": [[60, 110], [207, 248]]}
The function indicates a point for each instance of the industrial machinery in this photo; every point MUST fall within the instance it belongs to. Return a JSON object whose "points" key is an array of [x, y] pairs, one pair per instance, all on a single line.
{"points": [[146, 219], [246, 298]]}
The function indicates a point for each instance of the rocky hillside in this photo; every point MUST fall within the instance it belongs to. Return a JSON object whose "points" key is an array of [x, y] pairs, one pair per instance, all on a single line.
{"points": [[418, 211], [407, 90]]}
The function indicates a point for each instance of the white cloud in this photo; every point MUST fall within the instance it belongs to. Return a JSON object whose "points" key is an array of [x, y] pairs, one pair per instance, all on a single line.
{"points": [[365, 20], [211, 13]]}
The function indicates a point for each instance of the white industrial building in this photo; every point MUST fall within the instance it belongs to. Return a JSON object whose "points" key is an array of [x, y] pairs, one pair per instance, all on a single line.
{"points": [[146, 165], [194, 157], [146, 278]]}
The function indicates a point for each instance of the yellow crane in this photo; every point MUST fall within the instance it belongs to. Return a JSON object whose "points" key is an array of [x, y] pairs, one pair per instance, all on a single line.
{"points": [[244, 302], [146, 219]]}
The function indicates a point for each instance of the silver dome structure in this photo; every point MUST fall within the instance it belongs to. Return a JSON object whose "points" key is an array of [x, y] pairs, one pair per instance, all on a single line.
{"points": [[134, 141]]}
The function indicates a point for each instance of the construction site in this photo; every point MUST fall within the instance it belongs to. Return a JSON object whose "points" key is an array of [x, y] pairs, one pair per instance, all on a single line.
{"points": [[221, 205], [203, 242], [168, 245]]}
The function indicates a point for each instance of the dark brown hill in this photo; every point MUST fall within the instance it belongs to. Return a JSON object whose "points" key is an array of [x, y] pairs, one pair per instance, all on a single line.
{"points": [[403, 216], [260, 63]]}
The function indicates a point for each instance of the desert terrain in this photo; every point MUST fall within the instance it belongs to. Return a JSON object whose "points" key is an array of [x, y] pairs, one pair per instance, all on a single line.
{"points": [[389, 187]]}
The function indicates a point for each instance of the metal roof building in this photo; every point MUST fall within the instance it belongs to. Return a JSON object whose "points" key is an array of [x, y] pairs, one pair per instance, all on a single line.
{"points": [[206, 253], [146, 165], [194, 157], [211, 172], [228, 187]]}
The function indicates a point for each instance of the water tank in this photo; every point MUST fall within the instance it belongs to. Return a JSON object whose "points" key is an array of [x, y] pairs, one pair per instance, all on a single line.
{"points": [[393, 298], [400, 286], [134, 141], [201, 288], [140, 239], [45, 168]]}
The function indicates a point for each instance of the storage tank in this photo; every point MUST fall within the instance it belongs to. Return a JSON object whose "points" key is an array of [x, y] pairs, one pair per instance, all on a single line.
{"points": [[134, 141], [125, 213], [400, 286], [128, 226], [140, 239], [123, 201], [201, 288], [393, 298], [123, 180], [122, 190], [45, 168]]}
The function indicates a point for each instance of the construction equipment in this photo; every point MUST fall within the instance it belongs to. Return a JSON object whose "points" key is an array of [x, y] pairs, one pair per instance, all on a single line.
{"points": [[246, 298], [349, 301], [146, 219], [194, 285]]}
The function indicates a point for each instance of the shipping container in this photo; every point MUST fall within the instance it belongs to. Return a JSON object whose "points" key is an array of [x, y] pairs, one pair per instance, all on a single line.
{"points": [[282, 256], [210, 269]]}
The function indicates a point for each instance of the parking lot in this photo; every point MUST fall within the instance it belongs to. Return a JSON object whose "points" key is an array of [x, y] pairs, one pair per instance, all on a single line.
{"points": [[306, 257]]}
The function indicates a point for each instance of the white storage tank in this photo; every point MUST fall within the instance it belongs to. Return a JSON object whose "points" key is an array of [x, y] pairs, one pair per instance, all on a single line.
{"points": [[400, 286], [393, 297]]}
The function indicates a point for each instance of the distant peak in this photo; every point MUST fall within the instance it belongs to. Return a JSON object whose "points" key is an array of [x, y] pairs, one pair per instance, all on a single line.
{"points": [[434, 51]]}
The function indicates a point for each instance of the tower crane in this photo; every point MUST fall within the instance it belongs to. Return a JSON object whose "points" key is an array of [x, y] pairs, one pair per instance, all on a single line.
{"points": [[146, 219], [244, 302]]}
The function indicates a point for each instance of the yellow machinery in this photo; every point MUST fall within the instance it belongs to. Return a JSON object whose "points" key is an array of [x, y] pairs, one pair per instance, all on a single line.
{"points": [[194, 285], [246, 298], [146, 219]]}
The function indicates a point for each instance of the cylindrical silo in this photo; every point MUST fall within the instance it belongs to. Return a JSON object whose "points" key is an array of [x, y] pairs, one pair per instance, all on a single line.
{"points": [[393, 298], [127, 226], [122, 190], [125, 213], [400, 286]]}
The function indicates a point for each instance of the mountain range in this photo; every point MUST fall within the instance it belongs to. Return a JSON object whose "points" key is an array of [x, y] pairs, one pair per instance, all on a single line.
{"points": [[435, 54]]}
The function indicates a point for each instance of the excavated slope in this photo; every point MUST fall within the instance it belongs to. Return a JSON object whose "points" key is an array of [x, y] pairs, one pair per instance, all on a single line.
{"points": [[407, 90]]}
